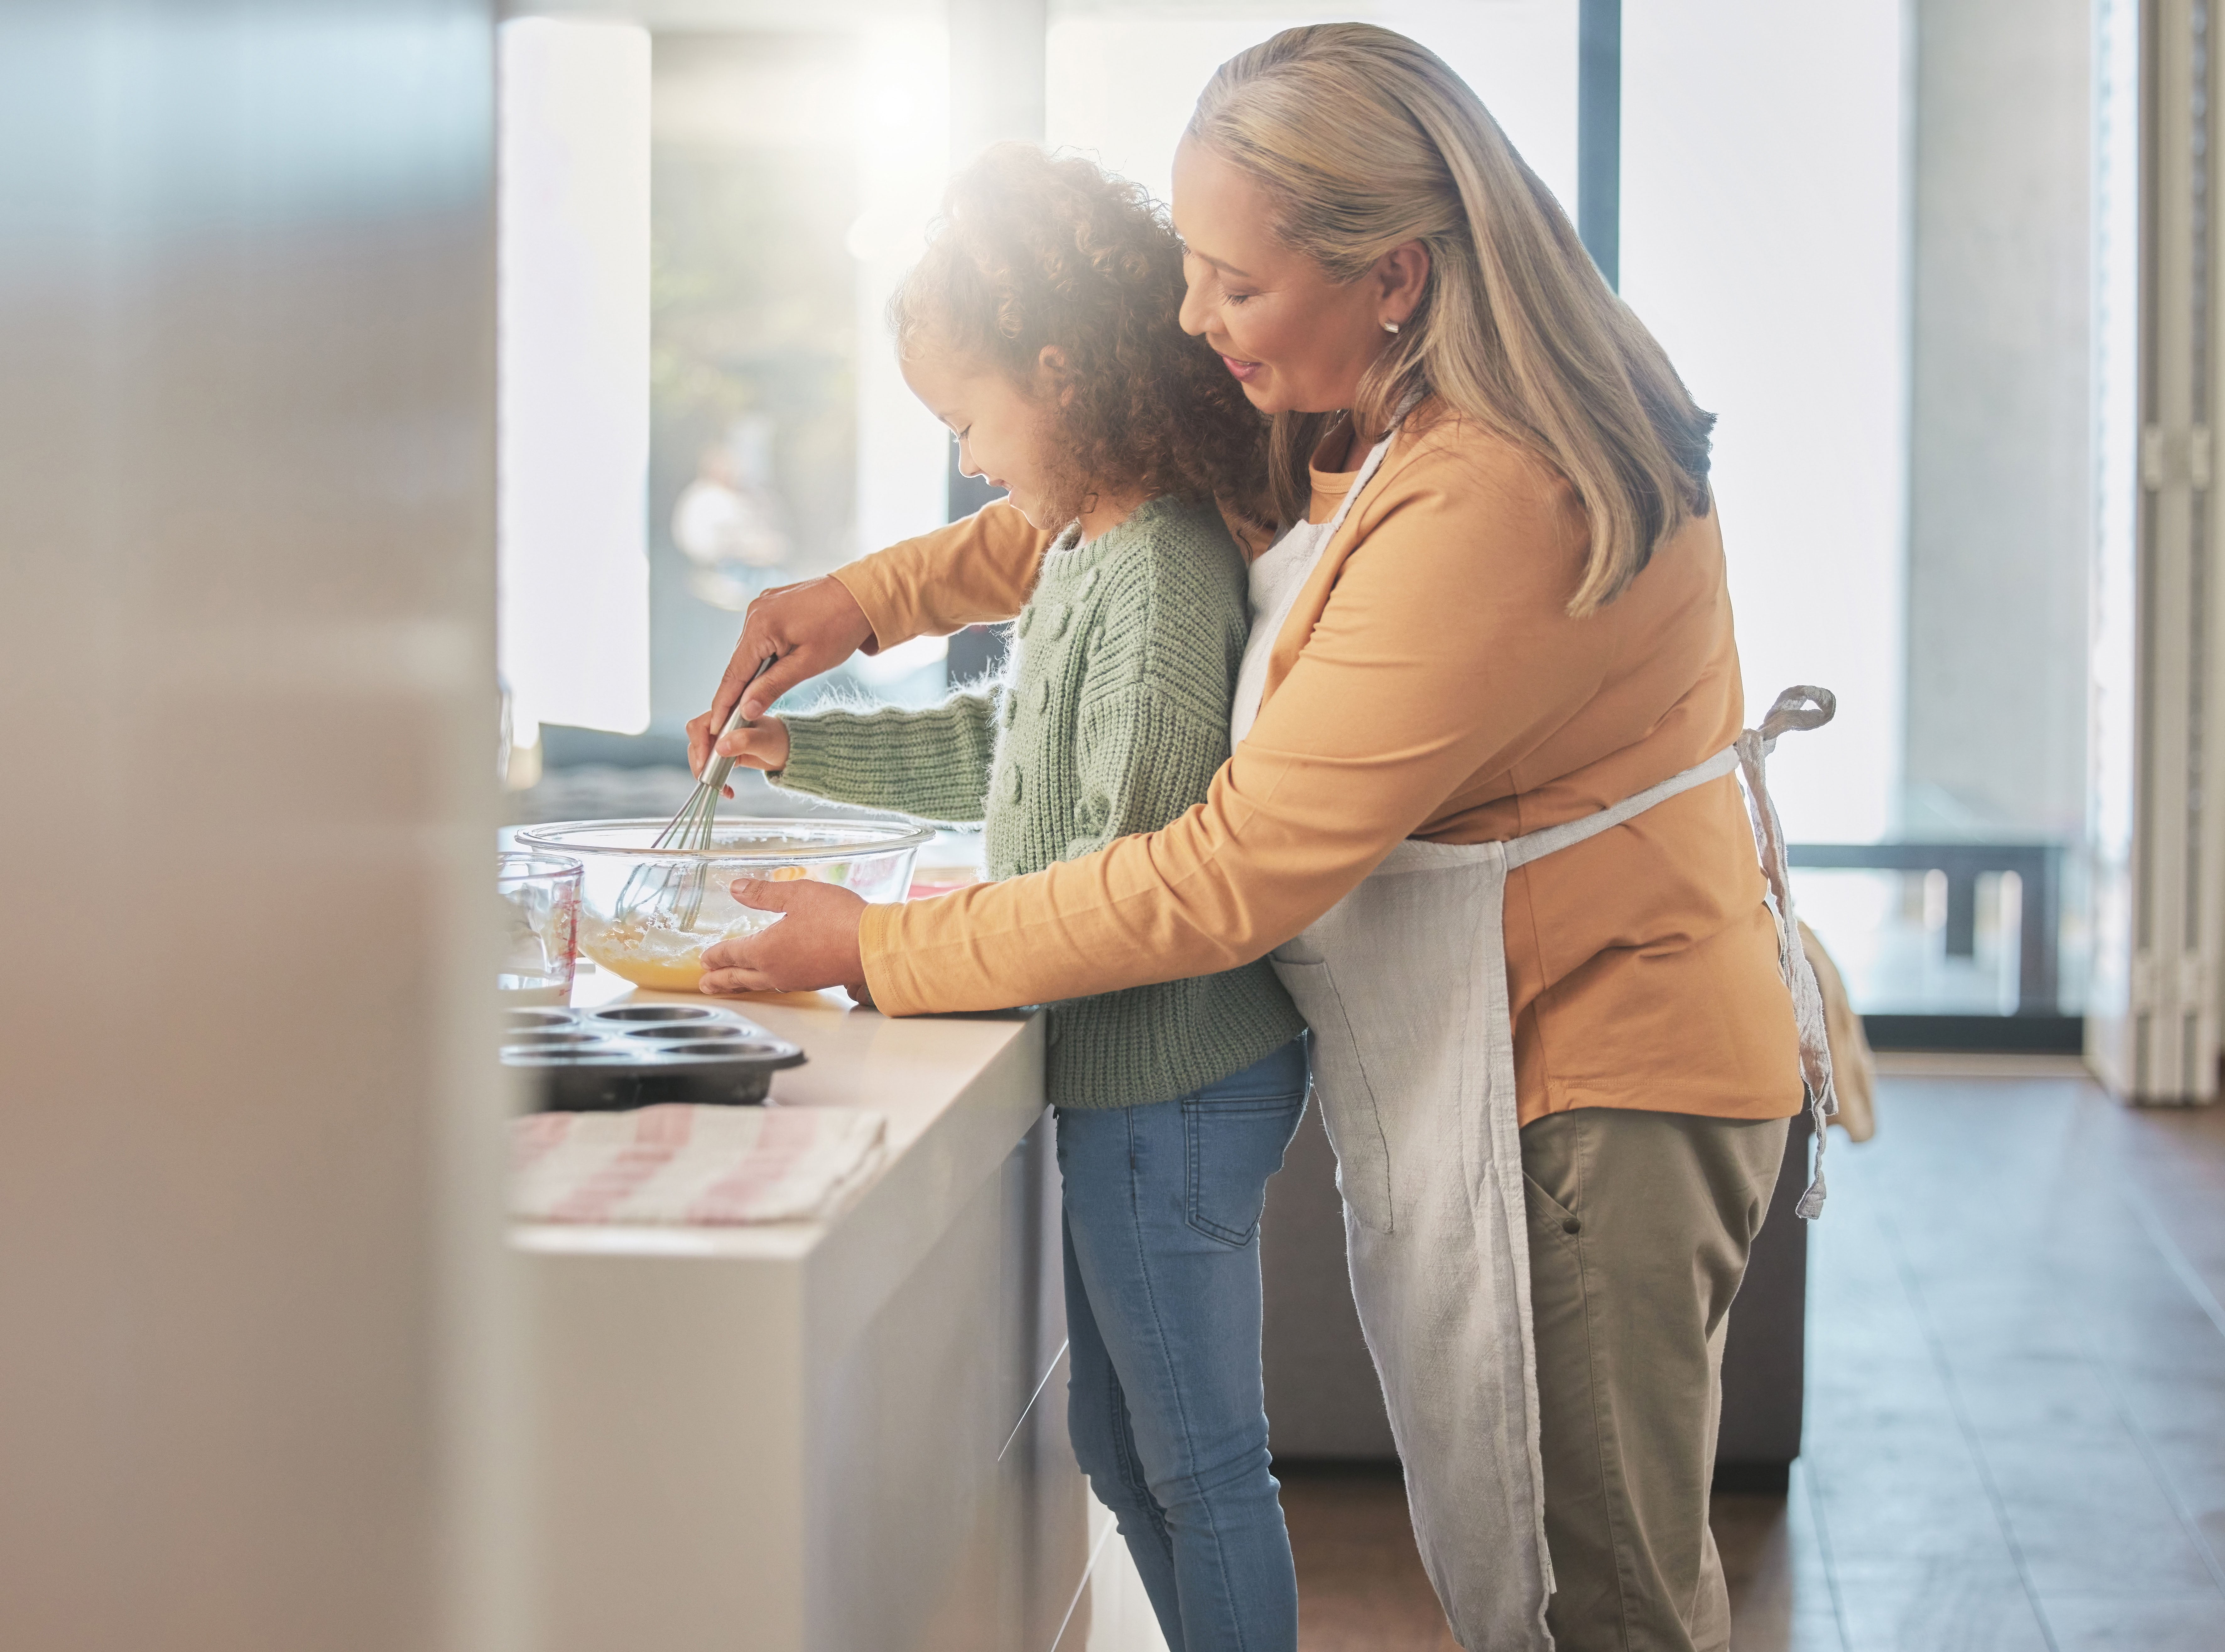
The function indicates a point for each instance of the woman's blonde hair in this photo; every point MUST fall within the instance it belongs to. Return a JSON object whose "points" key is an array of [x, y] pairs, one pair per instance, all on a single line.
{"points": [[1365, 140]]}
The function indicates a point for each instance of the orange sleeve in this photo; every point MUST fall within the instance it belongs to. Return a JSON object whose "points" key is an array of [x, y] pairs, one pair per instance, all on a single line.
{"points": [[977, 570], [1444, 651]]}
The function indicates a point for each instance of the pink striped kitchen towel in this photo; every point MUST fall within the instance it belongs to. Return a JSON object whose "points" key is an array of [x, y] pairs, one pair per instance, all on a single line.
{"points": [[711, 1166]]}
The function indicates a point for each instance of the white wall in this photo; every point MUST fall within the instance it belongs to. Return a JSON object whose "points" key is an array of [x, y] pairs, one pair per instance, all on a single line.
{"points": [[574, 371], [1763, 242], [250, 1288]]}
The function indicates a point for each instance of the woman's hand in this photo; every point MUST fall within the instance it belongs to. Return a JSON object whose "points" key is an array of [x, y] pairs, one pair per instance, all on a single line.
{"points": [[763, 745], [814, 945], [812, 627]]}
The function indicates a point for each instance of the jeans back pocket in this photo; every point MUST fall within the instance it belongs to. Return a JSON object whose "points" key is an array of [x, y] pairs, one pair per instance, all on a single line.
{"points": [[1231, 1148]]}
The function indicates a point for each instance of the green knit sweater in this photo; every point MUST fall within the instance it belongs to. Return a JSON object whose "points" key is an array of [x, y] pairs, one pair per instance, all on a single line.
{"points": [[1112, 717]]}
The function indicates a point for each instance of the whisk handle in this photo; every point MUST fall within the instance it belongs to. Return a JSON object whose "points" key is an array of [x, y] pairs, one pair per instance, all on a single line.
{"points": [[716, 770]]}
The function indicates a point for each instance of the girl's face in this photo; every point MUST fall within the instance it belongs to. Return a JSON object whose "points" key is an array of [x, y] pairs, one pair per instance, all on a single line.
{"points": [[1295, 340], [1004, 435]]}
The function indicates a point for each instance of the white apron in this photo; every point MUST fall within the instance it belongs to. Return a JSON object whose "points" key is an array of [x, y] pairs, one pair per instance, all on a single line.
{"points": [[1403, 983]]}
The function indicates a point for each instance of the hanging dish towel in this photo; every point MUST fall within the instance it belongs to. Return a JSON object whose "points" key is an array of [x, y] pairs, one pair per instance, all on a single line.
{"points": [[708, 1166]]}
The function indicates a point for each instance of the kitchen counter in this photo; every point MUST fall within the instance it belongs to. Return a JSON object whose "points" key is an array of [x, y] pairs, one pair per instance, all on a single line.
{"points": [[830, 1436]]}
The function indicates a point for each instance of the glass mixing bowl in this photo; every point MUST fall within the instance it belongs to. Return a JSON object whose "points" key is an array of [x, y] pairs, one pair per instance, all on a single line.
{"points": [[647, 913]]}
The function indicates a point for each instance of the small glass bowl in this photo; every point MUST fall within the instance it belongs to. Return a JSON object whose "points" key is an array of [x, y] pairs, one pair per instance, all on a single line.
{"points": [[540, 896], [647, 913]]}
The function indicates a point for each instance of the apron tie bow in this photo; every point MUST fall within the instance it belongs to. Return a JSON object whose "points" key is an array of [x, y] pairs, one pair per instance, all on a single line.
{"points": [[1802, 706]]}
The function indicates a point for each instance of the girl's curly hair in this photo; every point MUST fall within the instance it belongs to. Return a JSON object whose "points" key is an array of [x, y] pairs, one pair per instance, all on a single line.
{"points": [[1033, 249]]}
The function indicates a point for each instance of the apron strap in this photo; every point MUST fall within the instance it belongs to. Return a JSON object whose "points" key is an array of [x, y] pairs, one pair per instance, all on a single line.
{"points": [[1367, 469], [1799, 707], [1271, 615], [1534, 846]]}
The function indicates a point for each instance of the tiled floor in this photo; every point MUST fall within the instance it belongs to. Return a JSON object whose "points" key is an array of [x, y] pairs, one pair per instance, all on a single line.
{"points": [[2016, 1403]]}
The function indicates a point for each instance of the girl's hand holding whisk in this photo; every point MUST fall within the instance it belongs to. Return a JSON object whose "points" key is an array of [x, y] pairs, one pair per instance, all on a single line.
{"points": [[761, 745], [804, 629]]}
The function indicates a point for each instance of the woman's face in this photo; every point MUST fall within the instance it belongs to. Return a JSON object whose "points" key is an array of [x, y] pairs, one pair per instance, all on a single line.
{"points": [[1296, 341], [1004, 435]]}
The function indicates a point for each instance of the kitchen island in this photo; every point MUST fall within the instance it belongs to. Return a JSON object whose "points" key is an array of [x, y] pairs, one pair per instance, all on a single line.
{"points": [[838, 1436]]}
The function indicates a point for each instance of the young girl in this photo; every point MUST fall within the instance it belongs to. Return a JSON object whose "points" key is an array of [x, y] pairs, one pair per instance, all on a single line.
{"points": [[1041, 326]]}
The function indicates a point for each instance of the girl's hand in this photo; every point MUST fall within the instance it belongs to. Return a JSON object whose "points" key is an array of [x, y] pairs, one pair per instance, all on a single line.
{"points": [[813, 626], [814, 945], [762, 747]]}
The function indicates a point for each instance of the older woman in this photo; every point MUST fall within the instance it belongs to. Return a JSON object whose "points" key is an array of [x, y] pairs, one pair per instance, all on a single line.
{"points": [[1479, 813]]}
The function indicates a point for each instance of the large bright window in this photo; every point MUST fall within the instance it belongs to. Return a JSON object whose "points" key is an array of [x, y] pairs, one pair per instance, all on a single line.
{"points": [[1763, 242]]}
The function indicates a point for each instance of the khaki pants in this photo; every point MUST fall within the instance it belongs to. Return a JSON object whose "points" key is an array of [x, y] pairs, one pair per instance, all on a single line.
{"points": [[1639, 1227]]}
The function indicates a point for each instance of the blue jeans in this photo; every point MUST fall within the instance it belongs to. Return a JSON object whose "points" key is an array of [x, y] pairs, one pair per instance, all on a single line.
{"points": [[1164, 1403]]}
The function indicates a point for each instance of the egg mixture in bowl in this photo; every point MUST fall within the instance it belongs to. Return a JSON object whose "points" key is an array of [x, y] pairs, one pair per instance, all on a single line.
{"points": [[647, 913]]}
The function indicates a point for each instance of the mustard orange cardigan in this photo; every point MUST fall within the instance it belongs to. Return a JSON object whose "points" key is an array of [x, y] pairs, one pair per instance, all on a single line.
{"points": [[1429, 683]]}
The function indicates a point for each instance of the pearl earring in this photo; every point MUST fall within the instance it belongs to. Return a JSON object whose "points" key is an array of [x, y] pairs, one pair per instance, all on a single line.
{"points": [[1390, 326]]}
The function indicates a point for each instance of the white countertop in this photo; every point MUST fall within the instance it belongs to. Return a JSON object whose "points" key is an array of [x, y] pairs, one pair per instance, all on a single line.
{"points": [[946, 1133], [826, 1436]]}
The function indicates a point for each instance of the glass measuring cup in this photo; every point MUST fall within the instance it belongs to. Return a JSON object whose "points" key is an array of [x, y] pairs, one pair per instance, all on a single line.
{"points": [[540, 896]]}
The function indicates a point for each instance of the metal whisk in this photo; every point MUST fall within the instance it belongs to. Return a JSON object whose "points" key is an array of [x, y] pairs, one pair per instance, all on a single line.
{"points": [[679, 889]]}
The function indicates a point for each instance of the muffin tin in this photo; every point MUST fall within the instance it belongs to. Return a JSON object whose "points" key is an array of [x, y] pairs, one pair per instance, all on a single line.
{"points": [[638, 1055]]}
